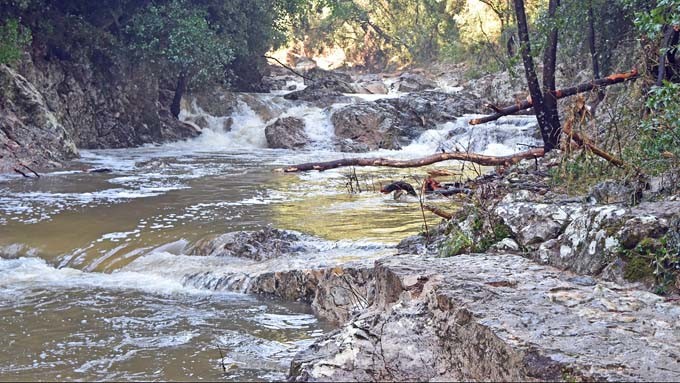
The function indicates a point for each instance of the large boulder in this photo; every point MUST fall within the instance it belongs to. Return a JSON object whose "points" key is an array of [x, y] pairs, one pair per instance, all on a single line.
{"points": [[437, 107], [375, 125], [30, 133], [318, 78], [391, 123], [370, 84], [286, 133], [413, 82], [373, 87], [500, 88]]}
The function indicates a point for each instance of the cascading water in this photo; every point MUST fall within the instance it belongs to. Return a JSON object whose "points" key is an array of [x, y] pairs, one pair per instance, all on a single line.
{"points": [[245, 128], [503, 137], [102, 257]]}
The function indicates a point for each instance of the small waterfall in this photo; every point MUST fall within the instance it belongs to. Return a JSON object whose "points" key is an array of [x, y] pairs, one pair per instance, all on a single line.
{"points": [[505, 136], [245, 127], [318, 125], [242, 129]]}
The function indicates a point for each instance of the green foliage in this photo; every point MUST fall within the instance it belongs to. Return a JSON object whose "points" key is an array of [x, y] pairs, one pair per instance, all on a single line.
{"points": [[578, 172], [637, 268], [456, 243], [656, 260], [486, 229], [14, 37], [178, 38], [659, 143], [375, 33], [652, 21], [614, 34]]}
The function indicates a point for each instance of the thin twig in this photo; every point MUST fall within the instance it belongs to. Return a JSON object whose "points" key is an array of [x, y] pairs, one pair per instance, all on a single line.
{"points": [[289, 68], [224, 368]]}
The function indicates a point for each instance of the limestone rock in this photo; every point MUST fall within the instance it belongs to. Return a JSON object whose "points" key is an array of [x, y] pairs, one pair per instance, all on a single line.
{"points": [[286, 133], [614, 192], [534, 223], [496, 318]]}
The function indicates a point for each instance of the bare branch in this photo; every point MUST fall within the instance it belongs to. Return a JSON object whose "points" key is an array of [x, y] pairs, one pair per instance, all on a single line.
{"points": [[417, 162], [560, 93]]}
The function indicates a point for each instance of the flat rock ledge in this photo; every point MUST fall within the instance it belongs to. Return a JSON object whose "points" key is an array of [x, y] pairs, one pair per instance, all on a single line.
{"points": [[499, 318]]}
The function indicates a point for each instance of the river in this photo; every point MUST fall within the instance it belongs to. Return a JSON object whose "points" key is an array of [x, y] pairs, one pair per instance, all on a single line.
{"points": [[94, 266]]}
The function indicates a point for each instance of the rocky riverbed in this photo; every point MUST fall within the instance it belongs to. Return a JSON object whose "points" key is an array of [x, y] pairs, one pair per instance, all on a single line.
{"points": [[524, 283], [562, 294]]}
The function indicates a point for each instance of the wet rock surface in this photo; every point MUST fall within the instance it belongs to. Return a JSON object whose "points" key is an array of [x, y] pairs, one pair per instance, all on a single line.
{"points": [[377, 126], [319, 97], [318, 78], [496, 317], [103, 103], [258, 245], [286, 133], [335, 294]]}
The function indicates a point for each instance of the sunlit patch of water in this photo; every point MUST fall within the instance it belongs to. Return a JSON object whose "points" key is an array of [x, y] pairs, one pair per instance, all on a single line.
{"points": [[96, 279]]}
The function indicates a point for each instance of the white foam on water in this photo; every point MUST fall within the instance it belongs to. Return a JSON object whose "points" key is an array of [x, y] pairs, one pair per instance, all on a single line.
{"points": [[318, 125], [34, 273], [504, 137], [247, 130]]}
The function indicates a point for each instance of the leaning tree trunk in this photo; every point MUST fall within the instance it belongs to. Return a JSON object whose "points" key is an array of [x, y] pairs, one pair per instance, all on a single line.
{"points": [[179, 92]]}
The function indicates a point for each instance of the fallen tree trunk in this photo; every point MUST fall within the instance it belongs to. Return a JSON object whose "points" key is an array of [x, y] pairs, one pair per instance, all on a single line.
{"points": [[437, 211], [560, 93], [439, 157]]}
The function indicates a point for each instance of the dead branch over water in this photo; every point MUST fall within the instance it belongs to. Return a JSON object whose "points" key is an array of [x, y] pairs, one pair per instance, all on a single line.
{"points": [[417, 162]]}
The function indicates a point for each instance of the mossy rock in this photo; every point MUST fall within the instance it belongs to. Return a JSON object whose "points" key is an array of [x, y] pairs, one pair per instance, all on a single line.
{"points": [[637, 269]]}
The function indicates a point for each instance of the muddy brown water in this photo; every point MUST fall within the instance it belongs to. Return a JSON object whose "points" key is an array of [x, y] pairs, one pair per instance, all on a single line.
{"points": [[92, 271]]}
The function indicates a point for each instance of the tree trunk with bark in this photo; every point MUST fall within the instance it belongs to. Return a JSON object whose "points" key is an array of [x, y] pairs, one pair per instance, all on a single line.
{"points": [[532, 79], [667, 58], [552, 116], [179, 92]]}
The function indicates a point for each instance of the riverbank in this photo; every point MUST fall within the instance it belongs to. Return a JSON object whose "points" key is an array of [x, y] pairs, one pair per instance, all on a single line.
{"points": [[563, 292]]}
